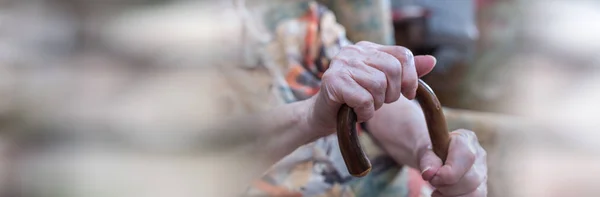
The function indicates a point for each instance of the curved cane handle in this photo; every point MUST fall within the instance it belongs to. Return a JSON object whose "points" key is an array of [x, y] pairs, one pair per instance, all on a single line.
{"points": [[355, 158]]}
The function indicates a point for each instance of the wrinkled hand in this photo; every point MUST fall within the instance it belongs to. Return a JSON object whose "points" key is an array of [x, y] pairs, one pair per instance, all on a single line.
{"points": [[465, 170], [365, 76], [401, 129]]}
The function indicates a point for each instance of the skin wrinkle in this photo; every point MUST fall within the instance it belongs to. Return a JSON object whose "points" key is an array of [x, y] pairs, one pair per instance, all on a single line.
{"points": [[473, 138], [362, 104], [351, 63], [382, 51], [407, 63], [394, 69], [355, 64], [470, 183], [359, 50], [452, 162], [371, 83], [380, 85], [366, 103], [456, 169], [471, 180], [391, 73]]}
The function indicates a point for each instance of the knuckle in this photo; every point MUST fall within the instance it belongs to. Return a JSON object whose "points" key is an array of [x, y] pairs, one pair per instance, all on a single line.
{"points": [[470, 133], [467, 133], [354, 62], [471, 156], [326, 76], [410, 82], [402, 51], [331, 77], [328, 80], [364, 43], [334, 79], [482, 181], [332, 93], [406, 53], [356, 48], [483, 153], [345, 77], [390, 58], [365, 101]]}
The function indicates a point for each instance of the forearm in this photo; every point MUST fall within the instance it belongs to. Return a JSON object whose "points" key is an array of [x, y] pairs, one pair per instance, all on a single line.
{"points": [[269, 135], [401, 130], [237, 151], [280, 131]]}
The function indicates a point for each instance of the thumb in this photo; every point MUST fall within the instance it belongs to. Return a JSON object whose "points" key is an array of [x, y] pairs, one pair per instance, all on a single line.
{"points": [[429, 164], [424, 64]]}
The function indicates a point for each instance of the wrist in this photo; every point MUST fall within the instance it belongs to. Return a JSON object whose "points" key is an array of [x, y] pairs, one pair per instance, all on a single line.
{"points": [[308, 129]]}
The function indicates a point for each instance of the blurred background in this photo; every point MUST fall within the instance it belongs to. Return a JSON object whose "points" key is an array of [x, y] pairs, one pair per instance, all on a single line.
{"points": [[97, 97]]}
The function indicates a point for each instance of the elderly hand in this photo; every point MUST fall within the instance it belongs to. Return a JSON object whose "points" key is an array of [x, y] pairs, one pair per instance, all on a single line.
{"points": [[401, 129], [365, 76], [465, 170]]}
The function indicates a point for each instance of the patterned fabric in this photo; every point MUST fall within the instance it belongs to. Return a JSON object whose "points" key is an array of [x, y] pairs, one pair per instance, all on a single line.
{"points": [[317, 169]]}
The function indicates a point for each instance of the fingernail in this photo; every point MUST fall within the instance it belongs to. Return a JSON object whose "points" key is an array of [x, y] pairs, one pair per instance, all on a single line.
{"points": [[425, 170]]}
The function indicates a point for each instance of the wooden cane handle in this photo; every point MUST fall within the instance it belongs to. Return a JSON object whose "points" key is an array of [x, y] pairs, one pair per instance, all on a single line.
{"points": [[356, 160], [436, 121]]}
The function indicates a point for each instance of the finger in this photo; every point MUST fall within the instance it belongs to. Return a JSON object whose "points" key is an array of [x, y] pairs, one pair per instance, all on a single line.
{"points": [[384, 62], [469, 183], [371, 79], [429, 164], [461, 157], [340, 87], [409, 73], [475, 179], [481, 191], [424, 64]]}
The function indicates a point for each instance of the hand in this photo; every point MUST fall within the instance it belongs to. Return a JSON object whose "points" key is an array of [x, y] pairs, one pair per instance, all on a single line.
{"points": [[365, 76], [465, 170], [401, 129]]}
